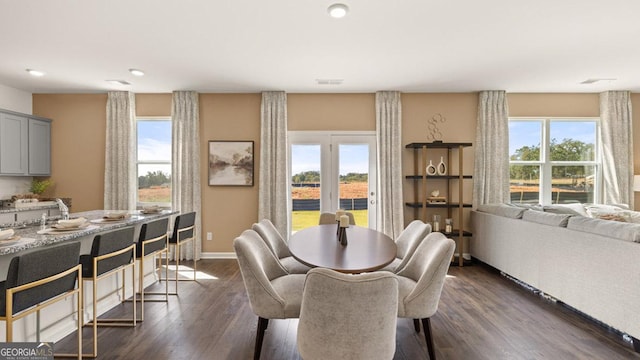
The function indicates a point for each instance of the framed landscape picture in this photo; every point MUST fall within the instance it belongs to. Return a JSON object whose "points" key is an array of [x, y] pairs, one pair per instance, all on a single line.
{"points": [[231, 163]]}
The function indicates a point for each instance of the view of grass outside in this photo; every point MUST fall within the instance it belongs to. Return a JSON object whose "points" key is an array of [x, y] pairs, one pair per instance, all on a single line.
{"points": [[154, 187], [305, 219], [348, 190], [160, 194]]}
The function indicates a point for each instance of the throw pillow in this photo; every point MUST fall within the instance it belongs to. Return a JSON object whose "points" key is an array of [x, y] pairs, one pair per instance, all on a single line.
{"points": [[571, 209], [613, 229], [607, 212], [502, 210], [546, 218]]}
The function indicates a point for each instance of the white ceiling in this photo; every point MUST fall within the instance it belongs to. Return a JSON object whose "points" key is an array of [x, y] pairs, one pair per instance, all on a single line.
{"points": [[257, 45]]}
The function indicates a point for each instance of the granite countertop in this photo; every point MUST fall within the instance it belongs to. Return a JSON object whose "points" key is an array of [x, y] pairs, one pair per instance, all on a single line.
{"points": [[29, 237], [9, 210]]}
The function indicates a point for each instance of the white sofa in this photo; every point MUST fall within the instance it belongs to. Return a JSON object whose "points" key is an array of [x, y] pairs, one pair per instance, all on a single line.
{"points": [[592, 265]]}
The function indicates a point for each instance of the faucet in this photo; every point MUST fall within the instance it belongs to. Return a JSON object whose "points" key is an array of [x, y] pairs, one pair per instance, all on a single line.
{"points": [[63, 209]]}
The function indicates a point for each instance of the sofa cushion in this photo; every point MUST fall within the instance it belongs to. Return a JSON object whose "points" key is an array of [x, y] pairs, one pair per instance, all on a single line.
{"points": [[502, 210], [546, 218], [632, 216], [571, 209], [536, 207], [612, 229]]}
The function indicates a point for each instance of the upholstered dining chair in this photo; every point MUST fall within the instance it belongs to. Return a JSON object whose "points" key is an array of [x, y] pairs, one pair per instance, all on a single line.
{"points": [[346, 316], [421, 282], [152, 242], [183, 232], [39, 279], [406, 244], [329, 218], [272, 292], [278, 247], [111, 253]]}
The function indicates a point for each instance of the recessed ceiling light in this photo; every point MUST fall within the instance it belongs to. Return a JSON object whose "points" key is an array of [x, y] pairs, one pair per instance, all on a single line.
{"points": [[136, 72], [35, 72], [118, 82], [338, 10]]}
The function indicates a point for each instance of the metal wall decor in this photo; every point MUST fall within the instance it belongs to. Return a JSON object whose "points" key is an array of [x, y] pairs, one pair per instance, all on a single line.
{"points": [[433, 133]]}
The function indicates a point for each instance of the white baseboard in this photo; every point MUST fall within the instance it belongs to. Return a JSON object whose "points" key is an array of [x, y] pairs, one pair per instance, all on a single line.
{"points": [[218, 255]]}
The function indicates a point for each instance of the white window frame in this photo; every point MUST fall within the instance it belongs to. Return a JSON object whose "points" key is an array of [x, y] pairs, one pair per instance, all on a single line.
{"points": [[140, 204], [326, 140], [545, 193]]}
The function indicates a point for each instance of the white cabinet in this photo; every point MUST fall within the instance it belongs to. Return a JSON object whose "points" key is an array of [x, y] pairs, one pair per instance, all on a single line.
{"points": [[25, 145]]}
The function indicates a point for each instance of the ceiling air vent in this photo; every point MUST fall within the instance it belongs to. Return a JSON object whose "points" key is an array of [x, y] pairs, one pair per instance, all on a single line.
{"points": [[329, 81], [595, 80], [118, 82]]}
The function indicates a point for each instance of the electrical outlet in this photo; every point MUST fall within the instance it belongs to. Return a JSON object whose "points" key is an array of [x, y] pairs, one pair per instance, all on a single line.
{"points": [[209, 236]]}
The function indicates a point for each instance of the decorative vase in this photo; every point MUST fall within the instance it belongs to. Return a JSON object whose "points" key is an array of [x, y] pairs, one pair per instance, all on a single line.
{"points": [[436, 223], [448, 227], [442, 167], [431, 169]]}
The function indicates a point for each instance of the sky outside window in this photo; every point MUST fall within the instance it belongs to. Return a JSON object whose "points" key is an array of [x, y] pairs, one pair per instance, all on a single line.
{"points": [[154, 141], [307, 158]]}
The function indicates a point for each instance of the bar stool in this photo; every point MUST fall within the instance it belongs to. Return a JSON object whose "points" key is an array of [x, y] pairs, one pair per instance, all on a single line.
{"points": [[183, 231], [110, 253], [152, 242], [38, 279]]}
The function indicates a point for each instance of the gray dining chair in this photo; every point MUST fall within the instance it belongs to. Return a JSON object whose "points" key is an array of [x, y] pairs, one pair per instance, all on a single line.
{"points": [[329, 218], [278, 247], [407, 243], [346, 316], [273, 293], [421, 282]]}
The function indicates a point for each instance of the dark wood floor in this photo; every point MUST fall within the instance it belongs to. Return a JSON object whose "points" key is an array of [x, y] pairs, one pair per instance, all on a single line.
{"points": [[482, 315]]}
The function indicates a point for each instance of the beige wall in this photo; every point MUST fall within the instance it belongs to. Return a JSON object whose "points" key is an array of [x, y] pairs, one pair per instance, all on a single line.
{"points": [[78, 133], [561, 105], [339, 112], [77, 146], [228, 210]]}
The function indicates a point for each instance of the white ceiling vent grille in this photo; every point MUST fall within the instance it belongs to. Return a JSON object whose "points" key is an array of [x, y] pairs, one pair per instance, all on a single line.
{"points": [[329, 81], [595, 80]]}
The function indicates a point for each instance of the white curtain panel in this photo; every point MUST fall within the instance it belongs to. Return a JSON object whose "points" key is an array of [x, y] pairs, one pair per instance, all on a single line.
{"points": [[185, 162], [390, 215], [119, 169], [274, 179], [616, 130], [491, 170]]}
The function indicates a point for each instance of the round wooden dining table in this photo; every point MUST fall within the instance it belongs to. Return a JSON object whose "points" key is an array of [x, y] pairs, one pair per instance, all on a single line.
{"points": [[366, 249]]}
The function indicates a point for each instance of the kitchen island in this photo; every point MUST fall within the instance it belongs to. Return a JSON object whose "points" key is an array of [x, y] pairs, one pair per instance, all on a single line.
{"points": [[57, 320]]}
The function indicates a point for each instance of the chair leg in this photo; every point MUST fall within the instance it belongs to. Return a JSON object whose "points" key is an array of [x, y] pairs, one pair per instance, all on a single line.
{"points": [[426, 324], [416, 325], [262, 326]]}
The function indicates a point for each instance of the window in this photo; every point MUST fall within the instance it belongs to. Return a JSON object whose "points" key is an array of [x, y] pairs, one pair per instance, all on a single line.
{"points": [[330, 171], [553, 161], [153, 161]]}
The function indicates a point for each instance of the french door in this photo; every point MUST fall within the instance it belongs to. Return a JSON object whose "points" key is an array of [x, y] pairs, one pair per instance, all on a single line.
{"points": [[330, 171]]}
